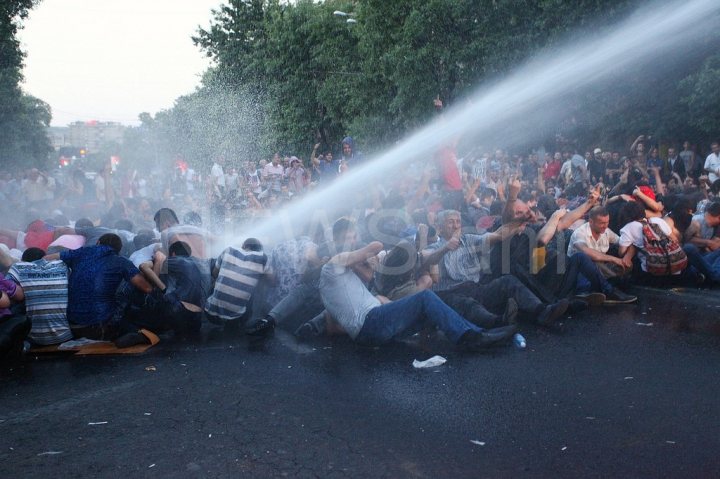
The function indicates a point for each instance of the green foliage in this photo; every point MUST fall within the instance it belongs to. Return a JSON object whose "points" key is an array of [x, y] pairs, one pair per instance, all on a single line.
{"points": [[23, 118], [702, 94], [320, 78]]}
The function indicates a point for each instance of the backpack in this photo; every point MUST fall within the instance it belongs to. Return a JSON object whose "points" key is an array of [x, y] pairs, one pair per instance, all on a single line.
{"points": [[663, 256]]}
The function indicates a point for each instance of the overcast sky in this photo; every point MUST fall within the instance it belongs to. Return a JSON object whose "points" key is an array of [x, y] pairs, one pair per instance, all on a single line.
{"points": [[110, 60]]}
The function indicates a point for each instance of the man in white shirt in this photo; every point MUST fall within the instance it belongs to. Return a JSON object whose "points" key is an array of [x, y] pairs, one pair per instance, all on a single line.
{"points": [[712, 163], [218, 176], [274, 173], [594, 239]]}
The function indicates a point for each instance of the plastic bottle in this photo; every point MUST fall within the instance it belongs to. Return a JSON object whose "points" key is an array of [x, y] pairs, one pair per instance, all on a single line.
{"points": [[519, 340]]}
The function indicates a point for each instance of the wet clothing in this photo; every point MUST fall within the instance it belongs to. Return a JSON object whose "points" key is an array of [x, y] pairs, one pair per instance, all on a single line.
{"points": [[96, 274]]}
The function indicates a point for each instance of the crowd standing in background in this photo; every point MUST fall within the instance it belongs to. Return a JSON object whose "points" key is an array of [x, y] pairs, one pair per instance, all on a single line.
{"points": [[467, 242]]}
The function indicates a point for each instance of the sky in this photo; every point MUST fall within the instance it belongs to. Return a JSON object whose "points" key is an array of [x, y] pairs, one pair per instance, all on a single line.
{"points": [[110, 60]]}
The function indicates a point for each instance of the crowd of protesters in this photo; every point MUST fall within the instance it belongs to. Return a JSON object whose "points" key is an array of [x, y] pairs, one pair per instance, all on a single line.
{"points": [[468, 244]]}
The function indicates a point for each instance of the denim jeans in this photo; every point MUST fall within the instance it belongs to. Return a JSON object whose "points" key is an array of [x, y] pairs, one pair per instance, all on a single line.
{"points": [[708, 265], [403, 318], [564, 283]]}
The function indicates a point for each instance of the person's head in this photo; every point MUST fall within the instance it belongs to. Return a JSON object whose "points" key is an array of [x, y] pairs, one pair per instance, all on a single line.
{"points": [[145, 237], [143, 206], [686, 145], [640, 147], [294, 162], [179, 248], [83, 223], [487, 196], [328, 156], [448, 223], [125, 225], [672, 152], [252, 244], [712, 214], [654, 153], [276, 159], [558, 156], [347, 149], [192, 218], [32, 254], [498, 154], [344, 234], [588, 155], [631, 211], [597, 153], [165, 218], [616, 156], [112, 240], [682, 219], [599, 219], [715, 147]]}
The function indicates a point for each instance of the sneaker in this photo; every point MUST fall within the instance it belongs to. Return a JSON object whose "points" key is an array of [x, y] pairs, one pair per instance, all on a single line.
{"points": [[511, 310], [618, 297], [131, 339], [592, 299], [264, 327], [553, 311]]}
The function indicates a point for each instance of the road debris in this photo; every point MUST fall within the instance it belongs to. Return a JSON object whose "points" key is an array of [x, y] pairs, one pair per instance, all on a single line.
{"points": [[429, 363]]}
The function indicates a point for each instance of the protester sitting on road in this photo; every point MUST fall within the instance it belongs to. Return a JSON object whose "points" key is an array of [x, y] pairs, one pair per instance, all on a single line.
{"points": [[369, 319], [172, 231], [594, 239], [461, 285], [184, 283], [237, 272], [43, 285], [96, 274]]}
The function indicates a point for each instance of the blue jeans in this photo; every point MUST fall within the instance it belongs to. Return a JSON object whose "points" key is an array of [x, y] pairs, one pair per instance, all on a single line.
{"points": [[301, 305], [707, 265], [403, 318]]}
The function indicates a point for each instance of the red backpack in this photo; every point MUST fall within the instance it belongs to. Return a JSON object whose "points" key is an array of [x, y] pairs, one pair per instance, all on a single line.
{"points": [[663, 256]]}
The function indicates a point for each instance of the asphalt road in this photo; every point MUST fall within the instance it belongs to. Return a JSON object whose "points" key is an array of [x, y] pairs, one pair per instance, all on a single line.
{"points": [[596, 395]]}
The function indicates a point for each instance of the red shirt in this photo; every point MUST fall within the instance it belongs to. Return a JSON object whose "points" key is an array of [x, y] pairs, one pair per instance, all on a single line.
{"points": [[448, 170], [552, 170]]}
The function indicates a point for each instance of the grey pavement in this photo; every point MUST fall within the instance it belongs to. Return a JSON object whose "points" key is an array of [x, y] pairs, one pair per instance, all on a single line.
{"points": [[595, 395]]}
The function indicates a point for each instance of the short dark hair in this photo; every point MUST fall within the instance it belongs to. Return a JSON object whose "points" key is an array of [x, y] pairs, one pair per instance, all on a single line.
{"points": [[192, 218], [487, 193], [83, 223], [32, 254], [125, 225], [112, 240], [179, 248], [713, 209], [165, 214], [597, 212], [253, 244], [342, 226]]}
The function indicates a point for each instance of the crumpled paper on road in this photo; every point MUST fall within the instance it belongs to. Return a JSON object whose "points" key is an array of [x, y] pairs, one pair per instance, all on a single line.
{"points": [[429, 363]]}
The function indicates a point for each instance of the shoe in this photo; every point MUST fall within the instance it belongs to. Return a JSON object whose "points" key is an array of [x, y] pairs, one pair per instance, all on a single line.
{"points": [[618, 297], [264, 327], [592, 299], [553, 311], [131, 339], [576, 305], [699, 279], [306, 332], [511, 310], [473, 340]]}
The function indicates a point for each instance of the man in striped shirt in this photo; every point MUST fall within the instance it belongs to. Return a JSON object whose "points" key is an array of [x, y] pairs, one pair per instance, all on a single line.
{"points": [[237, 273], [44, 285]]}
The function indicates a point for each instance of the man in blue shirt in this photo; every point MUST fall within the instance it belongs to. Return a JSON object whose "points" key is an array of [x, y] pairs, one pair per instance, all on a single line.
{"points": [[96, 274]]}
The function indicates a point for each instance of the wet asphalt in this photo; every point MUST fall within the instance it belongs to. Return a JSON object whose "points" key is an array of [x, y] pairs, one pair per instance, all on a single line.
{"points": [[595, 395]]}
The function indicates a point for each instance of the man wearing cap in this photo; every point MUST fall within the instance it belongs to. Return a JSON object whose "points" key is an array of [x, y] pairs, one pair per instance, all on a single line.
{"points": [[295, 175], [596, 167]]}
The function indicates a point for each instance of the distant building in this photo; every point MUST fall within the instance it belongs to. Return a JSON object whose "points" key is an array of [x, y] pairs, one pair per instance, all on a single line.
{"points": [[93, 135]]}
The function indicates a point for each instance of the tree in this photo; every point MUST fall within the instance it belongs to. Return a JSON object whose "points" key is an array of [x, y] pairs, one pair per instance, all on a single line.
{"points": [[23, 118]]}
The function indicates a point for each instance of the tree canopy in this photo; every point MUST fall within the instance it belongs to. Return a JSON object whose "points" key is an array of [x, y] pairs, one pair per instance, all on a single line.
{"points": [[23, 118], [317, 78]]}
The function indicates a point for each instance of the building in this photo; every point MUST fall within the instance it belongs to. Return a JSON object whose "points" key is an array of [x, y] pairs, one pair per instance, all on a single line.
{"points": [[94, 135]]}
